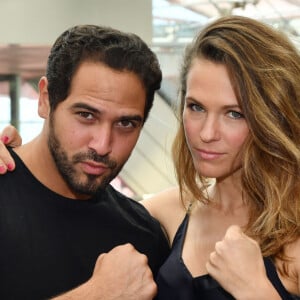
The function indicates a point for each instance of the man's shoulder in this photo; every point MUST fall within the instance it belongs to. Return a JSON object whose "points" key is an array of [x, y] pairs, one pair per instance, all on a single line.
{"points": [[128, 209], [122, 201]]}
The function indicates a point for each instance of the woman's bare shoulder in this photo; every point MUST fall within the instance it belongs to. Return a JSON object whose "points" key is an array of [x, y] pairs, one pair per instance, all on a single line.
{"points": [[291, 280], [167, 207], [294, 253], [164, 201]]}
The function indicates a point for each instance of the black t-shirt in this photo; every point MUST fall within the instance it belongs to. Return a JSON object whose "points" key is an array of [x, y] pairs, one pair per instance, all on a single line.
{"points": [[49, 243]]}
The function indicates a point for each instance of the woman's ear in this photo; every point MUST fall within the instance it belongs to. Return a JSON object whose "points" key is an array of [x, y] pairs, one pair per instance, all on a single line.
{"points": [[43, 104]]}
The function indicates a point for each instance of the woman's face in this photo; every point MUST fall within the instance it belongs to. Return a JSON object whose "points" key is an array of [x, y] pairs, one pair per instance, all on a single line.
{"points": [[214, 125]]}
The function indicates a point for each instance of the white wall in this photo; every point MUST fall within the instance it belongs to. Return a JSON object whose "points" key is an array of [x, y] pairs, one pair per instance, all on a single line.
{"points": [[41, 21]]}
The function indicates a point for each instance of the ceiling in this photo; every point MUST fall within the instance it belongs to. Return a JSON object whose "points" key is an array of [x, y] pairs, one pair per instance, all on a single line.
{"points": [[177, 21], [267, 9], [178, 18]]}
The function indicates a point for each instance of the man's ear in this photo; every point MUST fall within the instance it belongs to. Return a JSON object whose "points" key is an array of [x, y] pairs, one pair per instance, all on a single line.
{"points": [[43, 105]]}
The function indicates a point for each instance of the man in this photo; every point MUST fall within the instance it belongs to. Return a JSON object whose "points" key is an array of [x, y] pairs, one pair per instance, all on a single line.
{"points": [[64, 231]]}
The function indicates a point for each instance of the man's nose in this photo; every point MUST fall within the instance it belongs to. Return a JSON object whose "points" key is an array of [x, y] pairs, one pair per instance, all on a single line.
{"points": [[101, 140]]}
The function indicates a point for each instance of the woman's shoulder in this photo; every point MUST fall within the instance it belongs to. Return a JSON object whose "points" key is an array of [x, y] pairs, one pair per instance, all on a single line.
{"points": [[164, 203], [168, 208], [289, 271], [293, 251]]}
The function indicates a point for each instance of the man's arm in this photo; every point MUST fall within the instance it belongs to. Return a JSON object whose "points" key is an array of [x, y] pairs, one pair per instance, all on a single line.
{"points": [[121, 274]]}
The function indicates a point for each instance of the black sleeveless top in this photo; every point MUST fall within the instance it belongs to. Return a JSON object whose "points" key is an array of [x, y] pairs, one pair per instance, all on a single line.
{"points": [[175, 282]]}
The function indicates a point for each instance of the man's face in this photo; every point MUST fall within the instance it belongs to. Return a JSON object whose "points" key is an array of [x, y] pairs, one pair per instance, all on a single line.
{"points": [[93, 132]]}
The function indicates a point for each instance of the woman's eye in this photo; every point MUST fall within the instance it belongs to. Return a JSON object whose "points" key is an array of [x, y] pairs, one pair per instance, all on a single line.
{"points": [[235, 115], [195, 107]]}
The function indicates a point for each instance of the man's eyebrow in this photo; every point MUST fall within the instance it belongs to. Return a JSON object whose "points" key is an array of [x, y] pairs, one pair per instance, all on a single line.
{"points": [[137, 118], [85, 106]]}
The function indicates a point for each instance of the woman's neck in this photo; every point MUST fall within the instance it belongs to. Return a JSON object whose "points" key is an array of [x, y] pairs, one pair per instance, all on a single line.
{"points": [[227, 194]]}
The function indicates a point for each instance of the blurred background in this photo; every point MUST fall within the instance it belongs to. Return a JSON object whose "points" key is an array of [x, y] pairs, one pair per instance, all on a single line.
{"points": [[29, 28]]}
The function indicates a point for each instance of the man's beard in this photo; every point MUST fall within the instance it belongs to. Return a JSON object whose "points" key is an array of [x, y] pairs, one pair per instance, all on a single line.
{"points": [[65, 166]]}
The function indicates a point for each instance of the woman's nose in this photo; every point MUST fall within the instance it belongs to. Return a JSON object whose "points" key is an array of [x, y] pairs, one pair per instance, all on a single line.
{"points": [[210, 129]]}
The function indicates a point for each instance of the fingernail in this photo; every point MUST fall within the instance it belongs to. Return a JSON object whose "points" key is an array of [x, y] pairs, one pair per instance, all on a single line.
{"points": [[2, 169], [4, 139], [10, 167]]}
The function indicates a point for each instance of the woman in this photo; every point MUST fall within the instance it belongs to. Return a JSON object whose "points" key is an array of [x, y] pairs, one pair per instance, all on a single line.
{"points": [[234, 220], [239, 123]]}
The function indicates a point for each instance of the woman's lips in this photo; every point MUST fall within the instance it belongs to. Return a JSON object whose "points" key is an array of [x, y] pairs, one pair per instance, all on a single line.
{"points": [[208, 155]]}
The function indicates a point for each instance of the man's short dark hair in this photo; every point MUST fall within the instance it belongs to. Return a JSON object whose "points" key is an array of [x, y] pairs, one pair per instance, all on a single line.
{"points": [[116, 49]]}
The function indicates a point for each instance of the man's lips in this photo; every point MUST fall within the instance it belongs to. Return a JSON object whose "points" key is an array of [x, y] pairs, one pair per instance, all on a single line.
{"points": [[93, 168]]}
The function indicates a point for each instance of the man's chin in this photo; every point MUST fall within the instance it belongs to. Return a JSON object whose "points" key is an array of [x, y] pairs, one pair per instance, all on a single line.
{"points": [[85, 190]]}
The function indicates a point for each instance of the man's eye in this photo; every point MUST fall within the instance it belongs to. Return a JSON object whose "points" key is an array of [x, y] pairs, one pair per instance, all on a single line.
{"points": [[86, 115], [235, 114], [127, 124]]}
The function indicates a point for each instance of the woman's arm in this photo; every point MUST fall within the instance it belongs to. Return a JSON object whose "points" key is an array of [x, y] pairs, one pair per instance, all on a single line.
{"points": [[8, 137]]}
